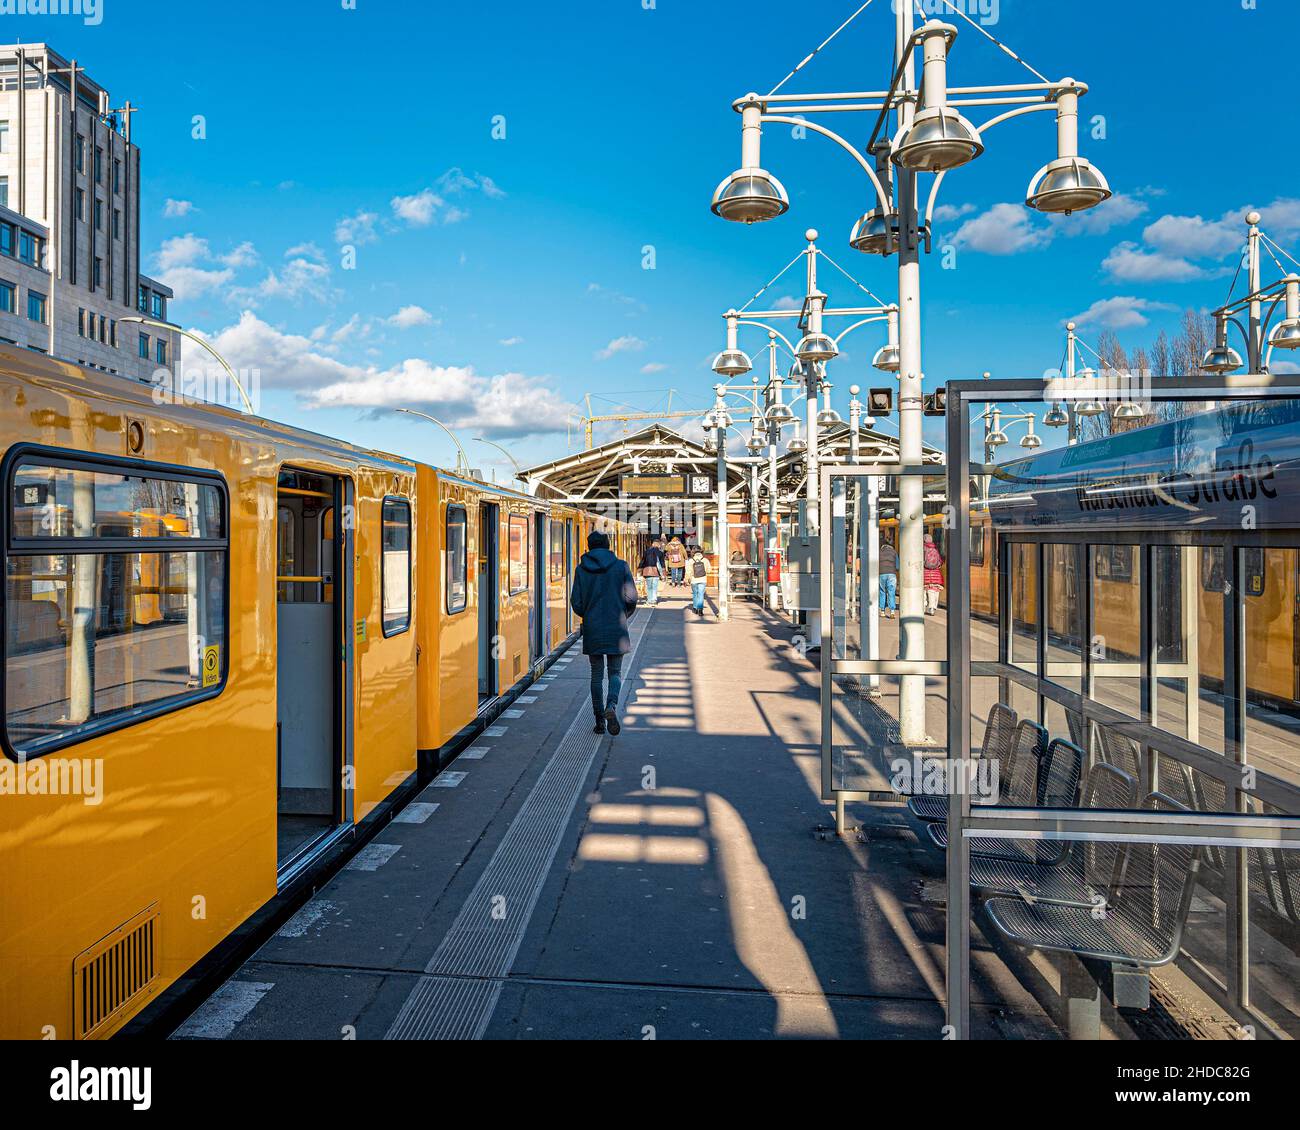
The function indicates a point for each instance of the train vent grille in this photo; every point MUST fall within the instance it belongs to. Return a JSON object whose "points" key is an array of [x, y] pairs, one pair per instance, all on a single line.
{"points": [[117, 972]]}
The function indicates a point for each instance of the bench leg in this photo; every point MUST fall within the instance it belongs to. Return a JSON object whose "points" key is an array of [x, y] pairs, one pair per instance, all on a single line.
{"points": [[1131, 986], [1082, 997]]}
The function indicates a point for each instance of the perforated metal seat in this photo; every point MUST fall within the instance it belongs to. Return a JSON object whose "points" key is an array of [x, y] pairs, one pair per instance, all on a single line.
{"points": [[999, 734], [1119, 751], [1088, 868], [1146, 907]]}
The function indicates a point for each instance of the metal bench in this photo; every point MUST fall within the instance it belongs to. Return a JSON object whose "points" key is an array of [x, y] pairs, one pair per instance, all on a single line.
{"points": [[1084, 875], [1049, 779], [999, 736], [1141, 926]]}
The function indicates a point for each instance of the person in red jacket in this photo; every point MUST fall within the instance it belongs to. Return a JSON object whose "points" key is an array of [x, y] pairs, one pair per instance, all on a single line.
{"points": [[932, 559]]}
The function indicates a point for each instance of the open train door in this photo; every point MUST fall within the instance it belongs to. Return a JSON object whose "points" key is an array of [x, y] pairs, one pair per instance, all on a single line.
{"points": [[314, 649], [489, 598]]}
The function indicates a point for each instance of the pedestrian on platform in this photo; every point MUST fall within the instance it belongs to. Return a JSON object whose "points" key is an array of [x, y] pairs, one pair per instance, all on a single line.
{"points": [[676, 561], [604, 595], [888, 579], [933, 562], [699, 573], [652, 568]]}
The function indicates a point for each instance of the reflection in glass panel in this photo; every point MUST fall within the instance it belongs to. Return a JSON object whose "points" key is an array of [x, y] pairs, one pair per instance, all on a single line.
{"points": [[1189, 645], [1063, 582], [1024, 606], [1272, 710], [1115, 632]]}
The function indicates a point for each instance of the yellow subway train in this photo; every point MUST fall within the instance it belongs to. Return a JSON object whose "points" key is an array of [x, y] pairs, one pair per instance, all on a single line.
{"points": [[230, 648]]}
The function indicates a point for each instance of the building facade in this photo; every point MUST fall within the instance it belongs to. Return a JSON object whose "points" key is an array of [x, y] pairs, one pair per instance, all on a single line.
{"points": [[70, 222]]}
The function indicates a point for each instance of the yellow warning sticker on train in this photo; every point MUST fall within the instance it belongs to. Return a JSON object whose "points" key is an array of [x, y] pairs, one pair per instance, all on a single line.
{"points": [[212, 665], [361, 631]]}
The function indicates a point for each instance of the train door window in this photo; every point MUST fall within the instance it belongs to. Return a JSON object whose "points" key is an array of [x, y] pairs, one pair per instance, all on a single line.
{"points": [[457, 560], [1188, 620], [397, 566], [286, 542], [489, 581], [518, 553], [1023, 612], [115, 599], [1062, 591], [1214, 572], [977, 545], [558, 534]]}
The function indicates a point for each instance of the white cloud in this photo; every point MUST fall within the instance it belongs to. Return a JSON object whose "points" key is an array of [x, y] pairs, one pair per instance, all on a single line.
{"points": [[1121, 312], [245, 255], [409, 316], [417, 210], [181, 251], [946, 213], [1127, 262], [173, 209], [431, 205], [357, 230], [191, 282], [1114, 213], [509, 341], [507, 404], [653, 367], [1193, 237], [299, 278], [788, 302], [625, 344], [1005, 229]]}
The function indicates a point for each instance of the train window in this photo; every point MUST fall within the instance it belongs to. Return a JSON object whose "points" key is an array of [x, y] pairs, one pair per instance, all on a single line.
{"points": [[518, 553], [115, 598], [1214, 573], [557, 550], [1252, 571], [397, 566], [977, 545], [457, 560], [1113, 562]]}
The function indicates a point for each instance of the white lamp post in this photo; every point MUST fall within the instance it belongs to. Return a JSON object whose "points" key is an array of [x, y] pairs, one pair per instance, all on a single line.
{"points": [[1221, 358], [934, 138]]}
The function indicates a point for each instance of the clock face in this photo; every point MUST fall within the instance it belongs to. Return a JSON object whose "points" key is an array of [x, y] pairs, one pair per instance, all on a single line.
{"points": [[700, 484]]}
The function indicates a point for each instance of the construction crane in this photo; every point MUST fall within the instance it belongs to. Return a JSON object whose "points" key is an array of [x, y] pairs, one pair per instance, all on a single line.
{"points": [[589, 421]]}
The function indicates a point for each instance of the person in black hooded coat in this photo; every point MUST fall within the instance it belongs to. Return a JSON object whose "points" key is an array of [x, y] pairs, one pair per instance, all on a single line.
{"points": [[604, 595]]}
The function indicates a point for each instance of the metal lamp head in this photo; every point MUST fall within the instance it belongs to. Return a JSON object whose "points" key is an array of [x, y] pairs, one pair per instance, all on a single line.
{"points": [[1221, 359], [778, 414], [1089, 408], [756, 443], [750, 196], [887, 359], [796, 445], [816, 347], [732, 363], [996, 438], [828, 417], [1031, 441], [1066, 185], [1056, 417], [1286, 335], [1129, 410], [875, 233], [938, 139]]}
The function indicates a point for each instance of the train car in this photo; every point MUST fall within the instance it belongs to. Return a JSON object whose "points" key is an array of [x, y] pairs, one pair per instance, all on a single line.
{"points": [[226, 643]]}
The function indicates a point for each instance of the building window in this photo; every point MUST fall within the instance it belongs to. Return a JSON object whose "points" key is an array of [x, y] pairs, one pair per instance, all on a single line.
{"points": [[8, 297], [117, 176], [112, 332], [144, 346], [157, 307], [29, 248], [142, 299], [518, 553], [79, 198], [162, 352], [4, 191], [81, 154], [81, 321], [99, 214], [117, 223], [98, 274], [90, 322], [76, 601], [99, 165], [7, 239], [396, 576], [457, 560], [103, 329], [4, 137], [35, 306]]}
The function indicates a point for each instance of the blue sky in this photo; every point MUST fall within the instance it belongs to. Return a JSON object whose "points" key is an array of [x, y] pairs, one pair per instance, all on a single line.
{"points": [[499, 280]]}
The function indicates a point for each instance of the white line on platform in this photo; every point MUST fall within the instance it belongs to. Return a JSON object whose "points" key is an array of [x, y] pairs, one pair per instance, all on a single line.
{"points": [[495, 731], [417, 812], [526, 698], [475, 753], [373, 856], [223, 1012], [306, 918], [511, 714], [448, 779]]}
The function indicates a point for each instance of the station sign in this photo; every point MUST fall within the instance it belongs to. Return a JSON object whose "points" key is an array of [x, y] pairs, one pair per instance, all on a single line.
{"points": [[666, 486]]}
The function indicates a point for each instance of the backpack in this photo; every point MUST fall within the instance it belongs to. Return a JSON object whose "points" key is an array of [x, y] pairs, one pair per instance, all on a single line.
{"points": [[700, 569]]}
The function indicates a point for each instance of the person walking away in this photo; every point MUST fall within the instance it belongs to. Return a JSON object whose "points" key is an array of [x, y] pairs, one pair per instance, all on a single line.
{"points": [[652, 569], [676, 561], [932, 559], [699, 570], [888, 578], [604, 596]]}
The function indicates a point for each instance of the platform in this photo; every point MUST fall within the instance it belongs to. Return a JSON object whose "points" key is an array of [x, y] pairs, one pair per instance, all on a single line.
{"points": [[666, 883]]}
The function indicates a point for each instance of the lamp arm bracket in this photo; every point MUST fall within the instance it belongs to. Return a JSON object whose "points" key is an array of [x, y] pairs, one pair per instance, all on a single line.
{"points": [[765, 326], [780, 119]]}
